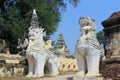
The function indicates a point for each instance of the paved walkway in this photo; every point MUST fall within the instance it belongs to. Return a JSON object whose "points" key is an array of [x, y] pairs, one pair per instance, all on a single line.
{"points": [[68, 77], [60, 77]]}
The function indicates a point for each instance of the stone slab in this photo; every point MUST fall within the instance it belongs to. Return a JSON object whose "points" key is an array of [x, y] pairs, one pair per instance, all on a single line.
{"points": [[13, 61]]}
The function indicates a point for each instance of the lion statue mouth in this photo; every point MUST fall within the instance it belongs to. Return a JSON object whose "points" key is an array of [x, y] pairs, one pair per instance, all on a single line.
{"points": [[86, 32]]}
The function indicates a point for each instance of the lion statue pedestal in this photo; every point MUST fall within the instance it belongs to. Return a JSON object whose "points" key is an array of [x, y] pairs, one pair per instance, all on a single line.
{"points": [[88, 50]]}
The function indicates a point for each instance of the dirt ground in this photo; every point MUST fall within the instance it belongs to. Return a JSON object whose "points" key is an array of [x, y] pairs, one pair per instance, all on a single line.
{"points": [[65, 76], [60, 77]]}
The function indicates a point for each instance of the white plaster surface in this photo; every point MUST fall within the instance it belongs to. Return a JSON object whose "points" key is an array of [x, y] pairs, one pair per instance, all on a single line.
{"points": [[88, 50], [37, 54]]}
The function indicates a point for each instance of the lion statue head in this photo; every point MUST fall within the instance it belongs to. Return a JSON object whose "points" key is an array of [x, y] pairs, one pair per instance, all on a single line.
{"points": [[87, 21], [36, 33]]}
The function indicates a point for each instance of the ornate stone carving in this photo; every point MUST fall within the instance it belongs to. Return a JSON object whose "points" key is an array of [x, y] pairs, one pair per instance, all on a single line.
{"points": [[68, 64], [22, 46], [88, 50], [37, 54], [11, 65], [61, 48], [3, 47]]}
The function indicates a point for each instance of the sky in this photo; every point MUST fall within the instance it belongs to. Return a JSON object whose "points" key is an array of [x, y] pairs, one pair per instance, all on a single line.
{"points": [[100, 10]]}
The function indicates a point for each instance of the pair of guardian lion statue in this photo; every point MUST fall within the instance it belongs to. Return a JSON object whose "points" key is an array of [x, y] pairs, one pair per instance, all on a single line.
{"points": [[88, 51]]}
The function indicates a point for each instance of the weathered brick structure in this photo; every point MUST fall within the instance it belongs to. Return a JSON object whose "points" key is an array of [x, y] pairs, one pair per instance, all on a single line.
{"points": [[112, 33]]}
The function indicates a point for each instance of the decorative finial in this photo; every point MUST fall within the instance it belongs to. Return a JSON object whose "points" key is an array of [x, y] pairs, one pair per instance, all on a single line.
{"points": [[34, 11], [34, 19]]}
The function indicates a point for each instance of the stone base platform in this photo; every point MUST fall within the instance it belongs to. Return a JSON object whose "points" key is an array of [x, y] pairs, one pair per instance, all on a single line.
{"points": [[11, 65]]}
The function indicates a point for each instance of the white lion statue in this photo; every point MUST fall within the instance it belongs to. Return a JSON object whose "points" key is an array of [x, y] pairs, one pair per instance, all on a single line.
{"points": [[88, 50], [37, 54]]}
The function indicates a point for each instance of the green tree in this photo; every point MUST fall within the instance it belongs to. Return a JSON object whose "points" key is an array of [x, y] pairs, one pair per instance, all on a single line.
{"points": [[15, 17], [101, 38]]}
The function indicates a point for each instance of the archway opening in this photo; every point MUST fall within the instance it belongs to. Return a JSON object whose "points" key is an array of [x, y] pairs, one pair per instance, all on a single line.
{"points": [[46, 67]]}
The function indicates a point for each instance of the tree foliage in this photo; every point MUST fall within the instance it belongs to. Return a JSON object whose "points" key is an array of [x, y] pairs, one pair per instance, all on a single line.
{"points": [[15, 17], [101, 38]]}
